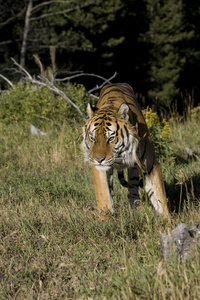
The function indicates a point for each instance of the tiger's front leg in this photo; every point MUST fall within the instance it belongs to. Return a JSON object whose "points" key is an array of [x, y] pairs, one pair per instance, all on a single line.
{"points": [[133, 185], [103, 186]]}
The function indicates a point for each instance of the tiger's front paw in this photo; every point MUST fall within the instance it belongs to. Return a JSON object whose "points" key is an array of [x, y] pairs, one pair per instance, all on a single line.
{"points": [[134, 203], [105, 215]]}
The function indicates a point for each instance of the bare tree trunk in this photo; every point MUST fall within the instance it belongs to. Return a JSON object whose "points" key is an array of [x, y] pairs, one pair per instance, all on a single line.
{"points": [[25, 35], [53, 57]]}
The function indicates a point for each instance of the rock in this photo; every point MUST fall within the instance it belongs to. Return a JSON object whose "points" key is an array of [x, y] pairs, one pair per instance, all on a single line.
{"points": [[191, 152], [181, 240], [37, 131]]}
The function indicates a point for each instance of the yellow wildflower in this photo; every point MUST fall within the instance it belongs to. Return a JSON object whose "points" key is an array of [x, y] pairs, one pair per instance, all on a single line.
{"points": [[151, 118], [165, 130]]}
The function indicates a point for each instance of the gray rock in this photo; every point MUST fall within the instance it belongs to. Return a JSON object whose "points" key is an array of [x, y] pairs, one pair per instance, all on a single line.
{"points": [[181, 240], [37, 131]]}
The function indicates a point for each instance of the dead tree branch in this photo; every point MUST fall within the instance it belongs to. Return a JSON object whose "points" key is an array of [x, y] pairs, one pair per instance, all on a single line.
{"points": [[7, 80], [38, 62], [86, 74], [43, 81], [97, 87], [25, 33], [65, 11]]}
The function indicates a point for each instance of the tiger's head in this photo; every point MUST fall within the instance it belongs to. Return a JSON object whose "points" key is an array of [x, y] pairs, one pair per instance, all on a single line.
{"points": [[109, 139]]}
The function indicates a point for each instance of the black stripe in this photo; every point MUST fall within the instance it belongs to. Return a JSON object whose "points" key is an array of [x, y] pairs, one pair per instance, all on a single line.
{"points": [[111, 98], [120, 175], [98, 118], [133, 104], [150, 195], [134, 178], [122, 134], [150, 169], [127, 133], [117, 131], [109, 107], [134, 195], [116, 148], [133, 186], [87, 144], [108, 119], [122, 144], [142, 155], [87, 129], [115, 90], [122, 180]]}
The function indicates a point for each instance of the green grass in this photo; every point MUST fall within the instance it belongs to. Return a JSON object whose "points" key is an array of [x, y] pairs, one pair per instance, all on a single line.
{"points": [[52, 243]]}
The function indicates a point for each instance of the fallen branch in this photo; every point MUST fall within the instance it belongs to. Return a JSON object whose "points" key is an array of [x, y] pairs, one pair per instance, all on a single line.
{"points": [[43, 81], [38, 62], [22, 69], [7, 80], [47, 119]]}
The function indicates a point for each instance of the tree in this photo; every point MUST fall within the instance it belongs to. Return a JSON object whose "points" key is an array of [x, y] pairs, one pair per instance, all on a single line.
{"points": [[11, 14], [61, 27], [166, 36], [45, 19], [25, 34], [37, 26], [190, 78]]}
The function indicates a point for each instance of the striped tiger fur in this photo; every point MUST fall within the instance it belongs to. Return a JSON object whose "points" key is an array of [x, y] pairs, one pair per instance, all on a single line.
{"points": [[116, 136]]}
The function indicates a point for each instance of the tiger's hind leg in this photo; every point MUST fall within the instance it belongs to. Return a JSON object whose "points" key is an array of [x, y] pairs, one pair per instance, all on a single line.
{"points": [[133, 185], [103, 186], [155, 190]]}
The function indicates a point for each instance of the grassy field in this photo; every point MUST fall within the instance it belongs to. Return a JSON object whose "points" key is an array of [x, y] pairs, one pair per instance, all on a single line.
{"points": [[52, 243]]}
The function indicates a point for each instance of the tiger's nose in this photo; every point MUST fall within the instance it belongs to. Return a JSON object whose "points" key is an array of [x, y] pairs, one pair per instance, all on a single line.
{"points": [[99, 159]]}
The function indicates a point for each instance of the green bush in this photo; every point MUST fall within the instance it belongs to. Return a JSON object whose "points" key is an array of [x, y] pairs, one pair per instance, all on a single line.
{"points": [[26, 103], [160, 132]]}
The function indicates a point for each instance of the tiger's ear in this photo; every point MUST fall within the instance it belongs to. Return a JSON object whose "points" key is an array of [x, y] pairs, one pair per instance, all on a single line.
{"points": [[90, 110], [123, 112]]}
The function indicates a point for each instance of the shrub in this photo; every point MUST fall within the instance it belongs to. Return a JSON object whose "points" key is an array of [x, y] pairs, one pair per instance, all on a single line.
{"points": [[24, 103], [161, 137]]}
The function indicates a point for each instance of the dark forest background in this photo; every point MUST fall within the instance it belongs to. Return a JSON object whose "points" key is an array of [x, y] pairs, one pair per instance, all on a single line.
{"points": [[154, 45]]}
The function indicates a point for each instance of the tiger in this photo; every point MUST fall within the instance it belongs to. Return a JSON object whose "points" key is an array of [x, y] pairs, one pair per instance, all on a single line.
{"points": [[115, 136]]}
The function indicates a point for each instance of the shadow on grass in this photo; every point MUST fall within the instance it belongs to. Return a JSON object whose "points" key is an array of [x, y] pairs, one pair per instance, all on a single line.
{"points": [[183, 193], [180, 160]]}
